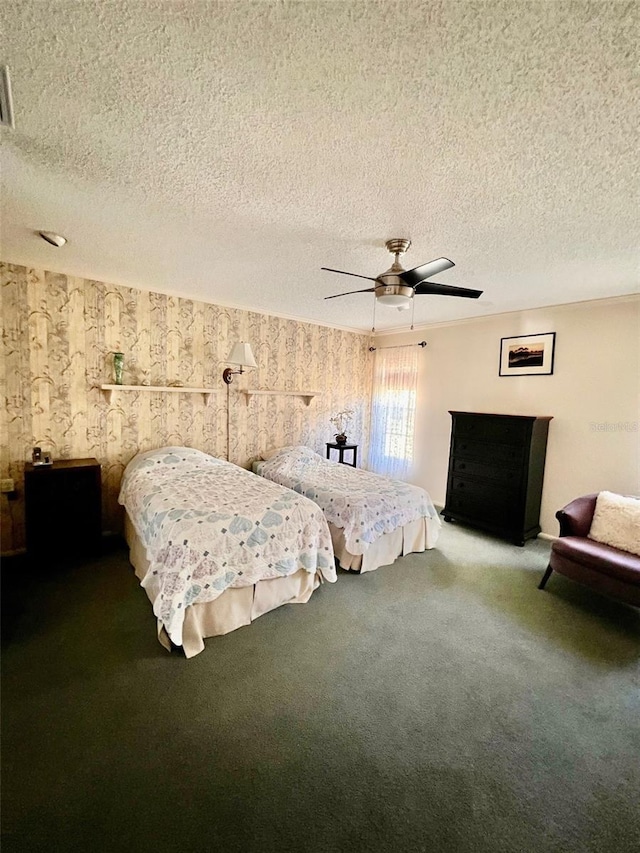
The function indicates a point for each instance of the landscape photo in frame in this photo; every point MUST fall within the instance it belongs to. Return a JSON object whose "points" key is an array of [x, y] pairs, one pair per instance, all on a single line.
{"points": [[527, 355]]}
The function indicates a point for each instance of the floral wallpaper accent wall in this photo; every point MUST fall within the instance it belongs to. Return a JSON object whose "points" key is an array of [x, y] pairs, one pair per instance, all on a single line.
{"points": [[59, 335]]}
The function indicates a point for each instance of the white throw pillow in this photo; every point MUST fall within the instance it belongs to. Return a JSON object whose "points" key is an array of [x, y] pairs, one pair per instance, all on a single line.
{"points": [[616, 522], [271, 452]]}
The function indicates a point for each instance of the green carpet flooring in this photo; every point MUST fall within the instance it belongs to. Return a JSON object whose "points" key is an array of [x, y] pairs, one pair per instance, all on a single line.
{"points": [[442, 704]]}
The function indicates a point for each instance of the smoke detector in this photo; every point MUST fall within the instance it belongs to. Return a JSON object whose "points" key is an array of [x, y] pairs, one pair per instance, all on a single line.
{"points": [[6, 102], [56, 240]]}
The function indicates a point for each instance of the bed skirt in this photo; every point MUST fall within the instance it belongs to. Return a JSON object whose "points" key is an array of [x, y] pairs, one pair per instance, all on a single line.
{"points": [[234, 608], [420, 535]]}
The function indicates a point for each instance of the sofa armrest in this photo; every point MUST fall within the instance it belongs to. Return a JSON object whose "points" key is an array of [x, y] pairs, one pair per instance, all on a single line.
{"points": [[575, 518]]}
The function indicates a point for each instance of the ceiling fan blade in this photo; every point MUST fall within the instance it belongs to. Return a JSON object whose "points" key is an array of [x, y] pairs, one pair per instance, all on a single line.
{"points": [[432, 287], [342, 272], [418, 274], [349, 292]]}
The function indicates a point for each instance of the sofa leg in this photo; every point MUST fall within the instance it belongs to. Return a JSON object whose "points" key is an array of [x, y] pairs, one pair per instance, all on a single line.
{"points": [[546, 577]]}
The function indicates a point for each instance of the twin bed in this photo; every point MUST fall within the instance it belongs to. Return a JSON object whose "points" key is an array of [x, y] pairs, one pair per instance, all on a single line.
{"points": [[373, 520], [216, 546]]}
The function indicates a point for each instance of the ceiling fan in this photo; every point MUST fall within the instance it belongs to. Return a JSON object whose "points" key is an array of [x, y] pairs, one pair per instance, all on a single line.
{"points": [[397, 286]]}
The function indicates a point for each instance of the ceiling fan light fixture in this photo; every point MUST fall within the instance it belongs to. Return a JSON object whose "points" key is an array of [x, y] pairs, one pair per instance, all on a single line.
{"points": [[395, 300], [394, 295], [397, 287]]}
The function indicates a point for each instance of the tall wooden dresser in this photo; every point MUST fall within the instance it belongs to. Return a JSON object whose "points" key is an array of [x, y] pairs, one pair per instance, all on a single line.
{"points": [[496, 469]]}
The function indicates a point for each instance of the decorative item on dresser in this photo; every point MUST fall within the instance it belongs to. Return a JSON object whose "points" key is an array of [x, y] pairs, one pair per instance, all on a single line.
{"points": [[63, 508], [496, 469]]}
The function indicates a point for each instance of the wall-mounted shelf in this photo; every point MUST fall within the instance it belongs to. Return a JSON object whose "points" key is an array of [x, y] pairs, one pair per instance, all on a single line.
{"points": [[307, 396], [171, 389]]}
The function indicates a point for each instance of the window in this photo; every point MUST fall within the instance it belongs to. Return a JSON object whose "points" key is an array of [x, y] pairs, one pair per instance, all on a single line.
{"points": [[393, 410]]}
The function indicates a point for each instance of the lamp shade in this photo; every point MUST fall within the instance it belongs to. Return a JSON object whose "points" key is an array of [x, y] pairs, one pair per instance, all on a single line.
{"points": [[242, 355], [397, 300]]}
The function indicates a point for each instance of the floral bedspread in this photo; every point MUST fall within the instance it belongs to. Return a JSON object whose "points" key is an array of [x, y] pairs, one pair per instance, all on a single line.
{"points": [[208, 525], [365, 505]]}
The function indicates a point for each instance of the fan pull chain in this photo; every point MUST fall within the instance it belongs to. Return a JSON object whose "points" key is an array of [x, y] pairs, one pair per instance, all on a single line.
{"points": [[413, 309], [373, 326]]}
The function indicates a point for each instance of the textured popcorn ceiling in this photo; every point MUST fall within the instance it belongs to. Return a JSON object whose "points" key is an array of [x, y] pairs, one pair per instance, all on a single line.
{"points": [[228, 150]]}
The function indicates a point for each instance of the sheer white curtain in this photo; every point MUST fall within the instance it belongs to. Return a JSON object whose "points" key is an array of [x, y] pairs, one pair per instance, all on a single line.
{"points": [[393, 410]]}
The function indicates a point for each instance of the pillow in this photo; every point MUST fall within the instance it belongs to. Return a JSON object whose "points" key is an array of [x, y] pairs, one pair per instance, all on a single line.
{"points": [[299, 449], [616, 522], [166, 456], [272, 451]]}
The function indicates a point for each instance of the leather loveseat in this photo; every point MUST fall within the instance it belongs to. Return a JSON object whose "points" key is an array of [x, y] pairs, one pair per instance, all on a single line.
{"points": [[608, 570]]}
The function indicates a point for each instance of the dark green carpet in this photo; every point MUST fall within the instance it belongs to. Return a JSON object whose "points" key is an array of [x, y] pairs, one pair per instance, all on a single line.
{"points": [[443, 704]]}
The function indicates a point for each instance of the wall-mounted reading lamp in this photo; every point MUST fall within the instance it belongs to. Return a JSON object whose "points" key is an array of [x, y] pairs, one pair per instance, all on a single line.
{"points": [[242, 356]]}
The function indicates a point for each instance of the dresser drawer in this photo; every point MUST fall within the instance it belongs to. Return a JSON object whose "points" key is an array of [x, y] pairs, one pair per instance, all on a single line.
{"points": [[501, 430], [508, 476], [500, 454], [488, 502], [506, 431], [469, 426], [57, 491]]}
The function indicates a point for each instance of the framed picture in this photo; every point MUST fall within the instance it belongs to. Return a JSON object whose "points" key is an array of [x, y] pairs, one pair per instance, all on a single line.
{"points": [[527, 355]]}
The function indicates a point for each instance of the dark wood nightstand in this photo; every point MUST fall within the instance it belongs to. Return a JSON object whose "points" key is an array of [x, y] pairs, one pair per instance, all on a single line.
{"points": [[341, 449], [63, 508]]}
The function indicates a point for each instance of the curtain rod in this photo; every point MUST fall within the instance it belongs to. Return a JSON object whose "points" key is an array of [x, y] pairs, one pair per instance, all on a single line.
{"points": [[400, 346]]}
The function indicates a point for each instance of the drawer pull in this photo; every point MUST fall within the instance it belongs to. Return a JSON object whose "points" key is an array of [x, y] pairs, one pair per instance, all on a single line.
{"points": [[461, 485], [462, 466]]}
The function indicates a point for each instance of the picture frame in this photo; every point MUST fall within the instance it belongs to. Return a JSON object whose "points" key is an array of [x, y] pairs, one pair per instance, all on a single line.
{"points": [[527, 355]]}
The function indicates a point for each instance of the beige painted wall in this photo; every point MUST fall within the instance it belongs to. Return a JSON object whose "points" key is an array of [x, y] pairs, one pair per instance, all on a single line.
{"points": [[593, 395], [59, 333]]}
